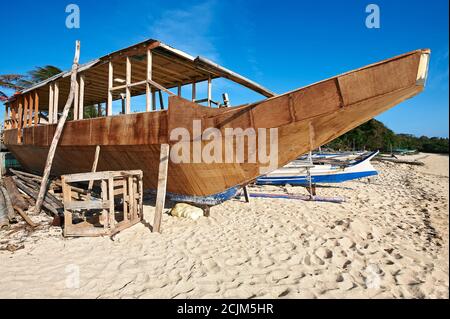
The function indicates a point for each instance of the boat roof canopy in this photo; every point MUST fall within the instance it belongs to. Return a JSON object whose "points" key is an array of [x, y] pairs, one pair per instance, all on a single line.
{"points": [[170, 68]]}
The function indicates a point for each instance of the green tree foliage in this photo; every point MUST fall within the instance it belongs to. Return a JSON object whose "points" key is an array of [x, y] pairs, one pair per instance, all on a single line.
{"points": [[374, 135]]}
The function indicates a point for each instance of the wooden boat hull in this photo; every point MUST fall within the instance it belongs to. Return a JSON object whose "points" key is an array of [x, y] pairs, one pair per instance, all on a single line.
{"points": [[305, 119]]}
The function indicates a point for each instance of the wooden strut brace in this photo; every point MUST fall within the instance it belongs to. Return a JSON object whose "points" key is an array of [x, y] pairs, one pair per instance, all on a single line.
{"points": [[59, 129]]}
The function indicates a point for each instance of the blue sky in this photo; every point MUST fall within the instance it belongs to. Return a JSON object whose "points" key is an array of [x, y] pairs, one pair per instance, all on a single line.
{"points": [[283, 45]]}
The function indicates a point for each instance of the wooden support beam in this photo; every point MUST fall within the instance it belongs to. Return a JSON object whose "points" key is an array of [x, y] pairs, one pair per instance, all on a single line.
{"points": [[36, 108], [148, 95], [127, 90], [94, 166], [6, 116], [56, 103], [25, 110], [30, 109], [209, 91], [110, 85], [19, 133], [194, 93], [58, 131], [81, 97], [76, 108], [162, 185], [50, 103], [179, 90]]}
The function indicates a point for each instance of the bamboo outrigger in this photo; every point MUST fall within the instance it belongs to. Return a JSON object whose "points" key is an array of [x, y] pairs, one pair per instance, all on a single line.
{"points": [[305, 118]]}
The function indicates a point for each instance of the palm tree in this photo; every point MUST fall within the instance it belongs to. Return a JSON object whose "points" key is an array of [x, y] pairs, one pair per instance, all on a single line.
{"points": [[19, 82]]}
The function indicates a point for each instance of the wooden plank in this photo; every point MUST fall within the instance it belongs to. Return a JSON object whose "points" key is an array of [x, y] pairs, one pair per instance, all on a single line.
{"points": [[80, 177], [128, 91], [110, 85], [162, 185], [148, 93], [92, 204], [81, 97]]}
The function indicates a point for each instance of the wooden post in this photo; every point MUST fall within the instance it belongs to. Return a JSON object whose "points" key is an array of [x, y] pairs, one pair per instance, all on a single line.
{"points": [[162, 184], [58, 131], [194, 93], [14, 114], [30, 109], [128, 90], [148, 93], [94, 166], [56, 102], [179, 90], [36, 108], [19, 133], [81, 102], [110, 85], [209, 91], [25, 111], [161, 101], [76, 116], [50, 104]]}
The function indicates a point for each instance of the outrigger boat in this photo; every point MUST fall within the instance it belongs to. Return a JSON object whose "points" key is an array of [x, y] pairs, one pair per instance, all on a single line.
{"points": [[305, 118], [297, 173]]}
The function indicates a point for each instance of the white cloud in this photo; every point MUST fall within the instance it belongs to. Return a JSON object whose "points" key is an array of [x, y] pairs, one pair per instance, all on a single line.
{"points": [[188, 29]]}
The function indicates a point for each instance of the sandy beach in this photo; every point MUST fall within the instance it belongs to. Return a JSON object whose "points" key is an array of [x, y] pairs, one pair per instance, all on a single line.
{"points": [[389, 239]]}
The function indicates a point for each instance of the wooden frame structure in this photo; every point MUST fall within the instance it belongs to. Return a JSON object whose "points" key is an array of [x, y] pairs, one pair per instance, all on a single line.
{"points": [[126, 185]]}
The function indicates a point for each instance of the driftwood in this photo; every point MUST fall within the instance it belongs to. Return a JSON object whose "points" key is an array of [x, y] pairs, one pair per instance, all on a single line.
{"points": [[25, 217], [4, 221], [34, 194], [34, 183], [59, 128], [8, 204], [14, 194]]}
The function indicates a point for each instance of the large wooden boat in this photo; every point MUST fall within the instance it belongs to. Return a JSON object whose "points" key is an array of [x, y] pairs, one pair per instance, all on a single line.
{"points": [[305, 118]]}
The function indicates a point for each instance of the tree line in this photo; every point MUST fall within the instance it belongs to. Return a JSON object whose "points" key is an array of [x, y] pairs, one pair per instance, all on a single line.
{"points": [[374, 135]]}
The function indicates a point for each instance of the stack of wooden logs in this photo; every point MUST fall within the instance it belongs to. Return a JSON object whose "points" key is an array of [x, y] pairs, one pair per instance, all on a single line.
{"points": [[19, 193]]}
